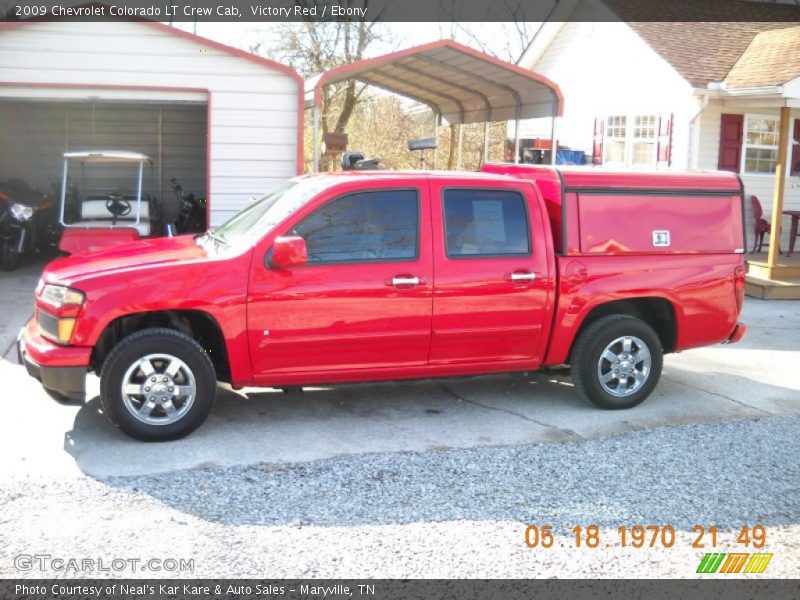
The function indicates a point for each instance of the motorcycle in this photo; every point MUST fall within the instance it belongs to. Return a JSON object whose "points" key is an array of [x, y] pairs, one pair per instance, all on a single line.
{"points": [[192, 212], [28, 222]]}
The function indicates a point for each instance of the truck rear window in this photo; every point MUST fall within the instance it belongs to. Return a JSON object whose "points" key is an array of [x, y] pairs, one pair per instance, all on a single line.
{"points": [[485, 223]]}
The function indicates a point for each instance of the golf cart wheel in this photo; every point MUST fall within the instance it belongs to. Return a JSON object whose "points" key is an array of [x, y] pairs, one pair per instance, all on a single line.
{"points": [[617, 362], [9, 256], [157, 384]]}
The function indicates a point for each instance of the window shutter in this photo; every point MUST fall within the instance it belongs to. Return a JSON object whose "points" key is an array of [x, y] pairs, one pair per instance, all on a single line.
{"points": [[664, 152], [597, 146], [730, 142], [794, 168]]}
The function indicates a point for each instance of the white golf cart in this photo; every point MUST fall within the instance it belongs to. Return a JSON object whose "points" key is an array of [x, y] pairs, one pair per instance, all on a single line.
{"points": [[101, 210]]}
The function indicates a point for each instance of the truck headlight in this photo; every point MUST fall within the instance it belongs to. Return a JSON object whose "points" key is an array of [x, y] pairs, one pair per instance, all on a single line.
{"points": [[21, 212], [60, 296], [58, 307]]}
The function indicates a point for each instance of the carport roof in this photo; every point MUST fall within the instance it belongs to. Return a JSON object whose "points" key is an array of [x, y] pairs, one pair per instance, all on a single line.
{"points": [[455, 81]]}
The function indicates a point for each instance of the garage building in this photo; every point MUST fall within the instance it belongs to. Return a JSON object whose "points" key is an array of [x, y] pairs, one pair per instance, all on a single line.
{"points": [[225, 123]]}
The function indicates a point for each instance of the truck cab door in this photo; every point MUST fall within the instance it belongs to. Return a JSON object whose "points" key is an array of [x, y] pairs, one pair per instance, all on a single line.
{"points": [[493, 266], [361, 302]]}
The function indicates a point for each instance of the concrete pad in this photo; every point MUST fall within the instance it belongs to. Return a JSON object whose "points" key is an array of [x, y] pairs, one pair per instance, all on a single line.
{"points": [[319, 423], [749, 380], [16, 295]]}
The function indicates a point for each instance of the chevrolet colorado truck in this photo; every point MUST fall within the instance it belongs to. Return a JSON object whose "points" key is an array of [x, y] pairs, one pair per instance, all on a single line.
{"points": [[396, 275]]}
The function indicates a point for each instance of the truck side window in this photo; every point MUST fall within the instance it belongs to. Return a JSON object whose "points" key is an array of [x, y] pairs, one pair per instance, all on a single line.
{"points": [[368, 226], [485, 223]]}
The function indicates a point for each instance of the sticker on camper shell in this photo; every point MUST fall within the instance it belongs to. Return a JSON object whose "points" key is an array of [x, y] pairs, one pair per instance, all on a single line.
{"points": [[661, 238]]}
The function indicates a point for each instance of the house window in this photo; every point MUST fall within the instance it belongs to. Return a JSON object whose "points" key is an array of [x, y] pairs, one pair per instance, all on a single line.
{"points": [[631, 140], [760, 156]]}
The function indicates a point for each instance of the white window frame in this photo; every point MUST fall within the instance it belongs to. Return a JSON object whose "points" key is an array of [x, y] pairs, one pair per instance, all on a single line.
{"points": [[745, 145], [629, 140]]}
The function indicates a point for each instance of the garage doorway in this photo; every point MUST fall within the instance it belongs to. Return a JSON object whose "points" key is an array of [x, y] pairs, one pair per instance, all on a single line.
{"points": [[35, 133]]}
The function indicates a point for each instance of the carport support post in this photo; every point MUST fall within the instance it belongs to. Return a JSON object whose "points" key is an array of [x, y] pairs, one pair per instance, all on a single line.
{"points": [[777, 195], [436, 120], [516, 141], [553, 148], [315, 139], [485, 142], [460, 143]]}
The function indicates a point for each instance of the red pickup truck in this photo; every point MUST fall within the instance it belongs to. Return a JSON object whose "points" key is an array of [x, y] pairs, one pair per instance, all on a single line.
{"points": [[396, 275]]}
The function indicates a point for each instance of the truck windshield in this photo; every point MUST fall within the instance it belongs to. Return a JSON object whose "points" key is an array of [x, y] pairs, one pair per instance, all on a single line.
{"points": [[252, 223]]}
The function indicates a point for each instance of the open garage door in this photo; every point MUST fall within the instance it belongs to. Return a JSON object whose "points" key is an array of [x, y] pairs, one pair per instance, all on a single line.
{"points": [[36, 131]]}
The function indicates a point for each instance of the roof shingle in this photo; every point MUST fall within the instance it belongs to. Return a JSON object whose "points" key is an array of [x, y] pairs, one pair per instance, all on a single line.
{"points": [[703, 40], [772, 58]]}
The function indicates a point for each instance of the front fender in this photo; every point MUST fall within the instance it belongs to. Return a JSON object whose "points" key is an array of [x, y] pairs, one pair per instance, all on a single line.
{"points": [[215, 288]]}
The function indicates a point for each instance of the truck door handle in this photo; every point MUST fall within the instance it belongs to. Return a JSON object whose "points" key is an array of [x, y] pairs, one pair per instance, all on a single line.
{"points": [[520, 277], [406, 281]]}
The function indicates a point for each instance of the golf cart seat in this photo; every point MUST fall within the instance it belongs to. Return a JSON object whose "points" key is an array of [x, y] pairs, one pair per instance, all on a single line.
{"points": [[95, 213]]}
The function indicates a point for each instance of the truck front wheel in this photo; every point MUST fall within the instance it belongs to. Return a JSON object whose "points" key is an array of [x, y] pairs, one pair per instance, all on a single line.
{"points": [[617, 362], [157, 384]]}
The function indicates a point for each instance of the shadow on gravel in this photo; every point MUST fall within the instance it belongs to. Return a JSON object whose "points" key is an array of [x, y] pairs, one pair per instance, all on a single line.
{"points": [[723, 474]]}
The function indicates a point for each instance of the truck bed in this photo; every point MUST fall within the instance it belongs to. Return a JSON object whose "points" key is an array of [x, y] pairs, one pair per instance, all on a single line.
{"points": [[675, 238]]}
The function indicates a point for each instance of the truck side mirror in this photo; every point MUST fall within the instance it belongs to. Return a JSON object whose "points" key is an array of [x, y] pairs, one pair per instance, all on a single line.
{"points": [[288, 251]]}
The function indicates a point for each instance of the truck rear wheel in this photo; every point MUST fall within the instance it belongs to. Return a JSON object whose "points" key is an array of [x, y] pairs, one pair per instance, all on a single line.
{"points": [[617, 362], [157, 384]]}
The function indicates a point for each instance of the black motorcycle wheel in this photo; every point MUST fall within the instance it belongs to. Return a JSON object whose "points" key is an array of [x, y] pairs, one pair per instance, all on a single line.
{"points": [[9, 256]]}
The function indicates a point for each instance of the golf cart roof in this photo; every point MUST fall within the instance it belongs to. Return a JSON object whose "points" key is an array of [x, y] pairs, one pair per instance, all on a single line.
{"points": [[108, 156]]}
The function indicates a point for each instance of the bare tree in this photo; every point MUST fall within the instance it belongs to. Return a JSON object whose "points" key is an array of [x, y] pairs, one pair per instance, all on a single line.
{"points": [[515, 31], [314, 47]]}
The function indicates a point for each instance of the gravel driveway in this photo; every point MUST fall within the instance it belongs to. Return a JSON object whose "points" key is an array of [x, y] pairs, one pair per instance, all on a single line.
{"points": [[453, 513]]}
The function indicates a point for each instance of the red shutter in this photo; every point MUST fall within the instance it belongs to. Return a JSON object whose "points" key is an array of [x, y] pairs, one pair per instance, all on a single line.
{"points": [[730, 142], [597, 146], [794, 168], [664, 152]]}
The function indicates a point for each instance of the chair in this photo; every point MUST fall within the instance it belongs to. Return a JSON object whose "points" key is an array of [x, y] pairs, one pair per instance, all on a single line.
{"points": [[762, 225]]}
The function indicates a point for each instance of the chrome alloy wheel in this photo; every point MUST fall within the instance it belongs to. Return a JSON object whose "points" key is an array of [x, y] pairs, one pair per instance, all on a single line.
{"points": [[158, 389], [624, 366]]}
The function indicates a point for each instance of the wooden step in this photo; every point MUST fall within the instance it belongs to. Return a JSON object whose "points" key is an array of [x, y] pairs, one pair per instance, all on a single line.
{"points": [[772, 289]]}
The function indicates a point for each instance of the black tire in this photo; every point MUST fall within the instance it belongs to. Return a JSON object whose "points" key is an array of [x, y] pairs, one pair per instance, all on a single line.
{"points": [[157, 341], [587, 355], [10, 256]]}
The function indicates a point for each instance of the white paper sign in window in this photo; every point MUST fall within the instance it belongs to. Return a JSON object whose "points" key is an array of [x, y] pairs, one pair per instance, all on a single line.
{"points": [[490, 225]]}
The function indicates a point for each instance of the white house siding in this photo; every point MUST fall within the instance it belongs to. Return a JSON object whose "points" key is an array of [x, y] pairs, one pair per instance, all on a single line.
{"points": [[253, 116], [606, 68], [759, 185]]}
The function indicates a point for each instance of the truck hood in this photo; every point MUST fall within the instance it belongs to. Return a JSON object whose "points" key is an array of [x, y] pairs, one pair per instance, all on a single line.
{"points": [[135, 256]]}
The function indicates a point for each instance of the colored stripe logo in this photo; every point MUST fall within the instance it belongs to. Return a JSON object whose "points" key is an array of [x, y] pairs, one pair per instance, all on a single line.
{"points": [[735, 562]]}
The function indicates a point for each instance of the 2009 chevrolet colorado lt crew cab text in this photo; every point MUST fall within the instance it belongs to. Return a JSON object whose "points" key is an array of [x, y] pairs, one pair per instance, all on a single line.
{"points": [[396, 275]]}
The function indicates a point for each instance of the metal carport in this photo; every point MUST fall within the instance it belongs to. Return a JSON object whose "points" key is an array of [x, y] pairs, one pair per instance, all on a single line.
{"points": [[459, 84]]}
